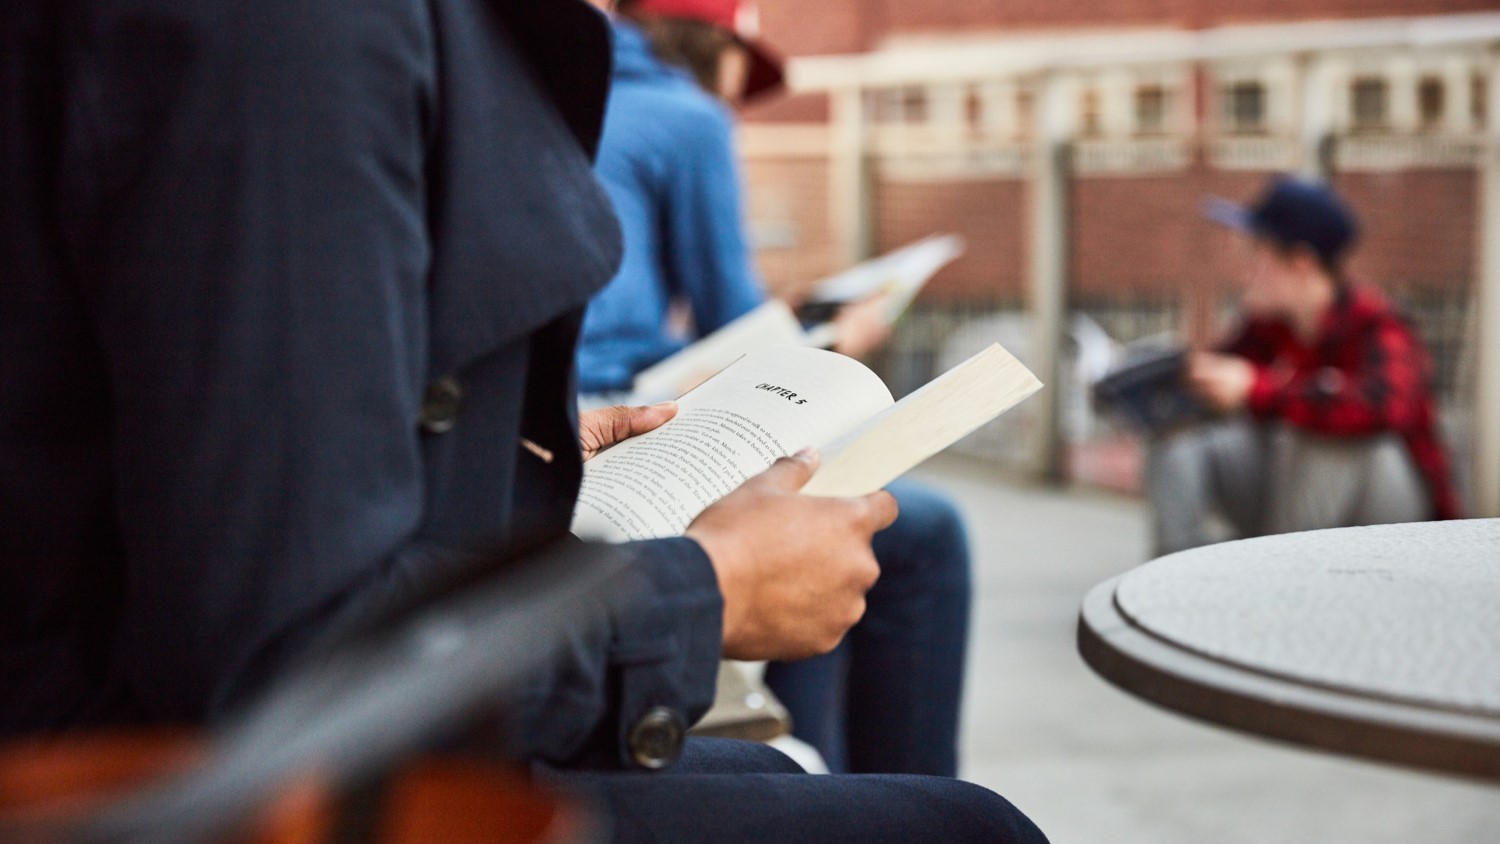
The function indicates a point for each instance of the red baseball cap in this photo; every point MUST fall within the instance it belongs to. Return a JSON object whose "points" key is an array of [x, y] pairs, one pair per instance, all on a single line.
{"points": [[741, 19]]}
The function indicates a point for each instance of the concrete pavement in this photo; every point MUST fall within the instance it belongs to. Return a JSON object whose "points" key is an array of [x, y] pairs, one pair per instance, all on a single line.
{"points": [[1092, 764]]}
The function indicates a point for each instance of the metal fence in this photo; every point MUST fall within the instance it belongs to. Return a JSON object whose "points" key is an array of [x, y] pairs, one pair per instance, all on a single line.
{"points": [[938, 331], [933, 336]]}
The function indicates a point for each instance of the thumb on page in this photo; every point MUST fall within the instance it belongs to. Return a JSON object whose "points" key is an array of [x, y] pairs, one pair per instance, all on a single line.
{"points": [[603, 427], [792, 472]]}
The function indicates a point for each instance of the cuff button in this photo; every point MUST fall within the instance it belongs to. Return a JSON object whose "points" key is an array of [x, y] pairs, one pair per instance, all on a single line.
{"points": [[656, 739]]}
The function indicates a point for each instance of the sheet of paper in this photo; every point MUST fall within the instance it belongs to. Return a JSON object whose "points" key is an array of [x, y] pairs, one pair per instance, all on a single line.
{"points": [[770, 325], [929, 420], [900, 274], [766, 405]]}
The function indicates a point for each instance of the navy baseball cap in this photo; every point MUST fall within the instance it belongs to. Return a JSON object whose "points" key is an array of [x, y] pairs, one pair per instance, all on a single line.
{"points": [[1293, 212]]}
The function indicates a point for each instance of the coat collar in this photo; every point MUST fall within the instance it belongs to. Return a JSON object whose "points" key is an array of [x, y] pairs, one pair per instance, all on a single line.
{"points": [[522, 233], [568, 42]]}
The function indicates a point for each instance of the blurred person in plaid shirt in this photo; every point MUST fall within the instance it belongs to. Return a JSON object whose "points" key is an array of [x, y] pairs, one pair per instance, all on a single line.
{"points": [[1326, 416]]}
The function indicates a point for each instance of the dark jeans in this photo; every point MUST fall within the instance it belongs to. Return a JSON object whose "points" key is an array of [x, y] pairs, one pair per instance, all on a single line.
{"points": [[732, 791], [887, 700]]}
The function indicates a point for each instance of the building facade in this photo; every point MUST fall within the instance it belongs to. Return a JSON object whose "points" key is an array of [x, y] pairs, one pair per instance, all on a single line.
{"points": [[1401, 129], [907, 118]]}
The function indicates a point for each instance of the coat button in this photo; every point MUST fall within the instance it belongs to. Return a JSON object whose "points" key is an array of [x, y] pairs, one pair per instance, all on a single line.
{"points": [[656, 739], [440, 407]]}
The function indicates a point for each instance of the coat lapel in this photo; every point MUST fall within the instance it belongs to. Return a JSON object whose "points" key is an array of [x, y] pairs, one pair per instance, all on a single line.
{"points": [[522, 233], [568, 42]]}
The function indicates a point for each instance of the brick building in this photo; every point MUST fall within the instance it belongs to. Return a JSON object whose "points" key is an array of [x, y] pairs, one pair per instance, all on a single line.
{"points": [[907, 118], [1151, 139]]}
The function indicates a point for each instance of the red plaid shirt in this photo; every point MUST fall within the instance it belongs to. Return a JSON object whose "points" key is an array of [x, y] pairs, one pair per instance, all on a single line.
{"points": [[1367, 372]]}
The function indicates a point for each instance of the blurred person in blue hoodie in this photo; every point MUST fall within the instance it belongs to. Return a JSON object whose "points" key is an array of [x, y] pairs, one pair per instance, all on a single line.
{"points": [[887, 700]]}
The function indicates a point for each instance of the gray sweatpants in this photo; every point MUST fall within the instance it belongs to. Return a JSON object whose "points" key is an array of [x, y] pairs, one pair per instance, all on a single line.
{"points": [[1272, 478]]}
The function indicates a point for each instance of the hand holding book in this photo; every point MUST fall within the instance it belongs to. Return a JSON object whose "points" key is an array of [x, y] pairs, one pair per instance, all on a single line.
{"points": [[793, 570], [603, 427], [771, 403], [851, 312], [790, 544]]}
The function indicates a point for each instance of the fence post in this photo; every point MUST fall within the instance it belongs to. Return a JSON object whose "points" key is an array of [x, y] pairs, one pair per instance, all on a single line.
{"points": [[850, 189], [1050, 159], [1486, 431], [1315, 120]]}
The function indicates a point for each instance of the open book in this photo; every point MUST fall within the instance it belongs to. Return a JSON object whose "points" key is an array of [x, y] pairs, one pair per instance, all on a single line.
{"points": [[770, 325], [899, 274], [769, 404], [1149, 390]]}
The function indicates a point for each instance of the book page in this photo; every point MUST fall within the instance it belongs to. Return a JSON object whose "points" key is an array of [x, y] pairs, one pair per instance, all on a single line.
{"points": [[900, 274], [766, 405], [772, 324], [922, 424]]}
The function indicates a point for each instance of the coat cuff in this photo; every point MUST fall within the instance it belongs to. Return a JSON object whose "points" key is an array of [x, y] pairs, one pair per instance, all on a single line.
{"points": [[665, 652]]}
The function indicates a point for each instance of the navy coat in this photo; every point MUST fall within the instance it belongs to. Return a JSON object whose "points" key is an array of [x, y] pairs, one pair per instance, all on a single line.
{"points": [[282, 287]]}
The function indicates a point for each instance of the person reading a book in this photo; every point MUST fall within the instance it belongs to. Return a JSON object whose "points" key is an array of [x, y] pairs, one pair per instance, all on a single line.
{"points": [[291, 298], [1323, 392], [888, 699]]}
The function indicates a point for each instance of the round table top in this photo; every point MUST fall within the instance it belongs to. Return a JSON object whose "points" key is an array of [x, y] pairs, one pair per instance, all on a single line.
{"points": [[1381, 642]]}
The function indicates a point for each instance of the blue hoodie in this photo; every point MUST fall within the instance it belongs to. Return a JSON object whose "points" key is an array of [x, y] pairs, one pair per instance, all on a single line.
{"points": [[667, 161]]}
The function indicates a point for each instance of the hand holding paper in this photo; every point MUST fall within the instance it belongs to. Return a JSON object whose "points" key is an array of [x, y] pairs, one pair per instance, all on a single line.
{"points": [[768, 405], [793, 570]]}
